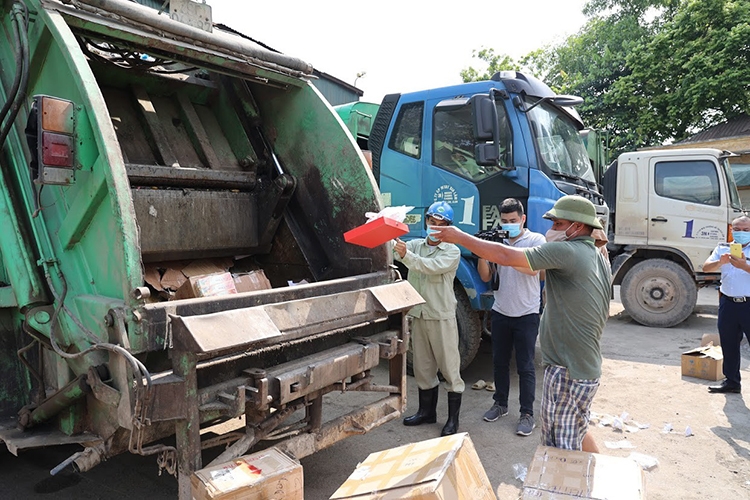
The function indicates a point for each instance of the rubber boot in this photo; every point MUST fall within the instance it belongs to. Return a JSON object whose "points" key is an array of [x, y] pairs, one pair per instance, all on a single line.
{"points": [[454, 407], [427, 413]]}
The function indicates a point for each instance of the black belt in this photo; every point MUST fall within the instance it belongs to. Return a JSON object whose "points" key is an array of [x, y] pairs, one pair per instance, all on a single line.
{"points": [[736, 299]]}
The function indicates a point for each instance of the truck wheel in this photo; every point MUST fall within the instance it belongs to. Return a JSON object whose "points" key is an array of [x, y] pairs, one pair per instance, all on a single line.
{"points": [[658, 292], [469, 327], [469, 331]]}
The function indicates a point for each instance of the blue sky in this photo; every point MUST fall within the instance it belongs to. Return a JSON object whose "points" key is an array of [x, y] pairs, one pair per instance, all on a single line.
{"points": [[402, 45]]}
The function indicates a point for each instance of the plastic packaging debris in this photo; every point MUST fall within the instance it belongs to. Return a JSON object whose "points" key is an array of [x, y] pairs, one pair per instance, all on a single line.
{"points": [[292, 283], [395, 213], [519, 472], [623, 444], [622, 423], [688, 431], [617, 423], [667, 428], [646, 462]]}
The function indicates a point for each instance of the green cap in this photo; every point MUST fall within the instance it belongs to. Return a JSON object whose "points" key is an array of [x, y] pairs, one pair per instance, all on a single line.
{"points": [[574, 209]]}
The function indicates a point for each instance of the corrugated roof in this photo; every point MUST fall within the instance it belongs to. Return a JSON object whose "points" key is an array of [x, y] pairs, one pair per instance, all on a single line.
{"points": [[739, 126]]}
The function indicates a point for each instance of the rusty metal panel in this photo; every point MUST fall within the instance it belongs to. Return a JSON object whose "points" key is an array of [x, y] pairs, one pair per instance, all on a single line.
{"points": [[324, 313], [223, 331], [16, 439], [283, 321], [399, 296], [156, 175], [182, 223], [298, 378], [359, 421], [126, 122], [169, 402]]}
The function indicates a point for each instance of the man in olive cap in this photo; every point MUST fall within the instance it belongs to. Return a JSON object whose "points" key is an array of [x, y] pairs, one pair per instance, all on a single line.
{"points": [[578, 294]]}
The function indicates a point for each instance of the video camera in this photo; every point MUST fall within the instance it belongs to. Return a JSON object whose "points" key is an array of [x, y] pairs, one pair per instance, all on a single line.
{"points": [[497, 235]]}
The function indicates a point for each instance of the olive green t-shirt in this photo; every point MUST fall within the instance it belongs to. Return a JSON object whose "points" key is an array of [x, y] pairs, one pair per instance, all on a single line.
{"points": [[578, 294]]}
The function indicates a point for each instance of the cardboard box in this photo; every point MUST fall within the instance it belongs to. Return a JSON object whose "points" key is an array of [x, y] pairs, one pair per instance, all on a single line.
{"points": [[704, 362], [252, 281], [209, 285], [556, 474], [440, 468], [376, 232], [266, 475]]}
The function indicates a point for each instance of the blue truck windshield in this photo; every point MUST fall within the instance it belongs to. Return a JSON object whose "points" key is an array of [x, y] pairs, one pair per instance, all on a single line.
{"points": [[558, 142]]}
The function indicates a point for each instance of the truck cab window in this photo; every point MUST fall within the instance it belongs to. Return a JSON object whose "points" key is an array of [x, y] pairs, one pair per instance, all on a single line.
{"points": [[453, 143], [690, 181], [407, 131], [559, 143], [735, 175]]}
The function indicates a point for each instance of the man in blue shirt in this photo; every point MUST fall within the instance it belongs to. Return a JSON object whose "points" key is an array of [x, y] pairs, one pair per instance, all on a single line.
{"points": [[734, 302]]}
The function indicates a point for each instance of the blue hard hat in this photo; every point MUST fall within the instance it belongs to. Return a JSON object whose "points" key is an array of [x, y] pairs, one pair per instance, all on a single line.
{"points": [[441, 210]]}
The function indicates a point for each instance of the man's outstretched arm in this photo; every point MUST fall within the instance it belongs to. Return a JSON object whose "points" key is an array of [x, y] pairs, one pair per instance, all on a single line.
{"points": [[489, 250]]}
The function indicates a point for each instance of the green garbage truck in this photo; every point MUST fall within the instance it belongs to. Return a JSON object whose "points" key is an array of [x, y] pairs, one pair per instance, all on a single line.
{"points": [[173, 198]]}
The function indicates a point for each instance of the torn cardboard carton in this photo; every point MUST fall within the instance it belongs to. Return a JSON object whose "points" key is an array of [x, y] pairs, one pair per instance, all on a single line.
{"points": [[556, 474], [440, 468], [211, 285], [705, 362], [252, 281], [265, 475]]}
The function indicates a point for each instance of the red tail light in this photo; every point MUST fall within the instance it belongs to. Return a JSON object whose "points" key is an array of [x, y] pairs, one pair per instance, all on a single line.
{"points": [[56, 122], [57, 150]]}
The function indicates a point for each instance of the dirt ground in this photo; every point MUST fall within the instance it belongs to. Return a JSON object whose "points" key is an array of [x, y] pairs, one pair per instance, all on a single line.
{"points": [[641, 377]]}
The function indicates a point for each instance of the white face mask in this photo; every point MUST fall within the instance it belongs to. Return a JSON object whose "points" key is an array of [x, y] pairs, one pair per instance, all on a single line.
{"points": [[555, 235]]}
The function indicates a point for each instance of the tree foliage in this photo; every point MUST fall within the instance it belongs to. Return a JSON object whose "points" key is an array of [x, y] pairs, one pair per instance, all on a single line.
{"points": [[650, 71], [495, 62]]}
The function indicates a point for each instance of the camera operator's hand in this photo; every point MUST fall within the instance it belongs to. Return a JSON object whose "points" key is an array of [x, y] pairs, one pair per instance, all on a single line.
{"points": [[448, 234]]}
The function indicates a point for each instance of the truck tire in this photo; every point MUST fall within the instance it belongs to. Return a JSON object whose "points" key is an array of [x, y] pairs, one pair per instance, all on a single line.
{"points": [[469, 327], [469, 330], [658, 293]]}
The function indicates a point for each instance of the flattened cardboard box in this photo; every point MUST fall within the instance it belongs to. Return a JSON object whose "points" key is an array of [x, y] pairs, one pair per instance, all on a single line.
{"points": [[556, 474], [266, 475], [441, 468], [705, 362]]}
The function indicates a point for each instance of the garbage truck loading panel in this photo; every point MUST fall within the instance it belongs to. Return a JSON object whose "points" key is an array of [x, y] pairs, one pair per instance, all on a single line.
{"points": [[182, 152]]}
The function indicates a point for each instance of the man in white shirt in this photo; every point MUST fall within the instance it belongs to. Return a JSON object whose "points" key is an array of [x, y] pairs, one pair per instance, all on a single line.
{"points": [[734, 302], [515, 319]]}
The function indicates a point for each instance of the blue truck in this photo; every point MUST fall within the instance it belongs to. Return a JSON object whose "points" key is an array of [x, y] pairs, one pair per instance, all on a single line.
{"points": [[473, 145]]}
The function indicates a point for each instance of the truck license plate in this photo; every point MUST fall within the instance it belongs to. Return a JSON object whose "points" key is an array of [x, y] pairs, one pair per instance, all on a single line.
{"points": [[197, 15]]}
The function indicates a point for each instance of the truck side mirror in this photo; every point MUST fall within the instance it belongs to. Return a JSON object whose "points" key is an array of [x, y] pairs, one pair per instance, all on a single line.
{"points": [[487, 154], [484, 115]]}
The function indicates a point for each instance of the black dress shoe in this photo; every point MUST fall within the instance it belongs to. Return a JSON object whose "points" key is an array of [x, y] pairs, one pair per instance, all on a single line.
{"points": [[725, 388]]}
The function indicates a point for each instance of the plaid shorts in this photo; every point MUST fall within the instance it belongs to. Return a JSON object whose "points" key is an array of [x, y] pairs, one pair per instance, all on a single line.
{"points": [[565, 408]]}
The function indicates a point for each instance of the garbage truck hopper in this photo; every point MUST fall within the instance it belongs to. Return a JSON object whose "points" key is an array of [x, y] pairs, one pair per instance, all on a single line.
{"points": [[173, 203]]}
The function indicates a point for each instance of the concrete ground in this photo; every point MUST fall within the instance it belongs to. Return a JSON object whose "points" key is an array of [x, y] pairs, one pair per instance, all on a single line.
{"points": [[641, 377]]}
